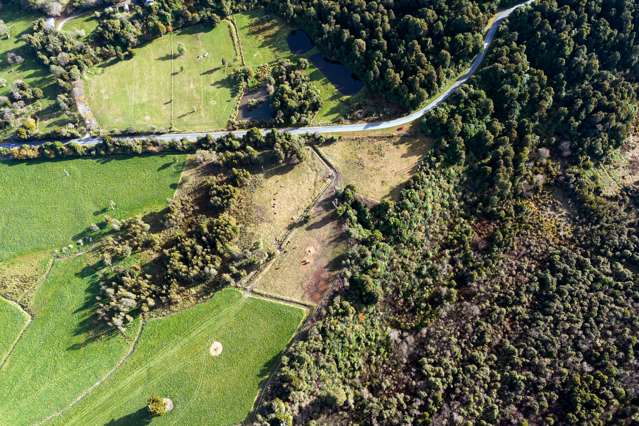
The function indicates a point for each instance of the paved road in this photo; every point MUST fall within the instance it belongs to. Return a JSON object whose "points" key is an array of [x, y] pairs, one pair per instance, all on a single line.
{"points": [[341, 128]]}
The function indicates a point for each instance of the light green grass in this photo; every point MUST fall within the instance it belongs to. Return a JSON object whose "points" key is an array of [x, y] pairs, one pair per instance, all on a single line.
{"points": [[12, 321], [31, 71], [56, 358], [264, 40], [172, 360], [152, 91], [86, 23], [44, 205]]}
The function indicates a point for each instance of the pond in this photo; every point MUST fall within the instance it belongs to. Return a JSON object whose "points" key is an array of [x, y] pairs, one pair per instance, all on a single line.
{"points": [[338, 74], [299, 42], [263, 111]]}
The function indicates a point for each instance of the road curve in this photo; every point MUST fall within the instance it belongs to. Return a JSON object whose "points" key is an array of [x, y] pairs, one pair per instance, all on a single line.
{"points": [[330, 129]]}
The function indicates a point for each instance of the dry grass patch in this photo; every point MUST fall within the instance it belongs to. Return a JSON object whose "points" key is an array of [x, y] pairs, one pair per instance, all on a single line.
{"points": [[376, 166], [308, 263], [19, 277], [276, 199], [622, 170]]}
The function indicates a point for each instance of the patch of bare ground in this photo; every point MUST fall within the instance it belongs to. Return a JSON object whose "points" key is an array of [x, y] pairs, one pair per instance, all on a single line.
{"points": [[308, 263], [378, 166]]}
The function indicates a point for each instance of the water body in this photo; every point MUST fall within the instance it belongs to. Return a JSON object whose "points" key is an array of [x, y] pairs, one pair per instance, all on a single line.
{"points": [[299, 42], [338, 74], [263, 111]]}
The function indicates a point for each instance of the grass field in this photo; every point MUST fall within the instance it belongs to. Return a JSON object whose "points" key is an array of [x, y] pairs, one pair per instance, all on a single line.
{"points": [[57, 358], [158, 89], [12, 321], [44, 205], [376, 166], [85, 23], [277, 199], [19, 22], [264, 41], [172, 360]]}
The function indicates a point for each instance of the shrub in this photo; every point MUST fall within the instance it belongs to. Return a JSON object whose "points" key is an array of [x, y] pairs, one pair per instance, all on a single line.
{"points": [[156, 406]]}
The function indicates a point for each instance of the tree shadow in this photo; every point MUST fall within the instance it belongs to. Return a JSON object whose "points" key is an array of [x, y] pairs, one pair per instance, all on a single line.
{"points": [[211, 71], [167, 165], [139, 417], [279, 170], [89, 327], [168, 57]]}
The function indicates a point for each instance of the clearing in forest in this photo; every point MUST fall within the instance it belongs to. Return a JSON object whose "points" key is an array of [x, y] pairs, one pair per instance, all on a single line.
{"points": [[85, 23], [308, 263], [44, 205], [173, 359], [162, 89], [376, 166]]}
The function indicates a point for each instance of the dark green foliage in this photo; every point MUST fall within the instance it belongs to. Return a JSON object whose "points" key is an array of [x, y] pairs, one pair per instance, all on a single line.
{"points": [[197, 255], [295, 100], [222, 195], [500, 288], [404, 51]]}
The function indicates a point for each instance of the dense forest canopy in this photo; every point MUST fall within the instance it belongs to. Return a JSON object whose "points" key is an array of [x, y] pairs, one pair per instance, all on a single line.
{"points": [[501, 287], [405, 49]]}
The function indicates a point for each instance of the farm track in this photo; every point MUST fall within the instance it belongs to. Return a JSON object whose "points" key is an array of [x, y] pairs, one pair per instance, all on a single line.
{"points": [[103, 379], [26, 311], [330, 129], [29, 319]]}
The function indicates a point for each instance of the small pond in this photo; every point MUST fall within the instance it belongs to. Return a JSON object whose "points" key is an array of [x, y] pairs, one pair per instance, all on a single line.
{"points": [[299, 42], [263, 111], [338, 74]]}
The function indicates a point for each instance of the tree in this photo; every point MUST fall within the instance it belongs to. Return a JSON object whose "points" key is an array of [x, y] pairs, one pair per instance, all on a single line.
{"points": [[5, 33], [181, 49], [156, 406]]}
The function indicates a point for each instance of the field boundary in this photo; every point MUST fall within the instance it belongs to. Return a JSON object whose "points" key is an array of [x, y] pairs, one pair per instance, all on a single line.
{"points": [[28, 318], [25, 311], [101, 381]]}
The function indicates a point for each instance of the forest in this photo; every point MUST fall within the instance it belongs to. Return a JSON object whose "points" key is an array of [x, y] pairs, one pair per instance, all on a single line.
{"points": [[501, 287]]}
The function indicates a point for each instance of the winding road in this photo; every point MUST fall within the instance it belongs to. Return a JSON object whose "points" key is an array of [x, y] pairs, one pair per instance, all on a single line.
{"points": [[328, 129]]}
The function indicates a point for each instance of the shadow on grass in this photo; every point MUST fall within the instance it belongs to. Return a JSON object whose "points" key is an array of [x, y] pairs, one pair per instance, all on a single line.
{"points": [[265, 372], [90, 327], [139, 417]]}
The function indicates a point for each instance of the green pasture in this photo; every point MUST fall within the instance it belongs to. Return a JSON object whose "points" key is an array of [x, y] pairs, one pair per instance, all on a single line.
{"points": [[45, 205], [85, 23], [172, 360], [12, 321], [58, 356], [158, 89]]}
